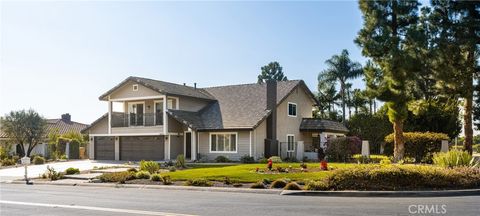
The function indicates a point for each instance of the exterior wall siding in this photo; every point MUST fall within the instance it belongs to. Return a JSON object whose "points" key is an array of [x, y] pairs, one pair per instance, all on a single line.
{"points": [[176, 146], [291, 125], [126, 91], [100, 127], [243, 146], [139, 129], [259, 135]]}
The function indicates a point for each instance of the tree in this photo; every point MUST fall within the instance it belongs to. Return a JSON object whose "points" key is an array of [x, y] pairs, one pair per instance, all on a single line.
{"points": [[358, 100], [387, 28], [341, 69], [373, 77], [272, 71], [24, 128], [327, 96], [457, 28]]}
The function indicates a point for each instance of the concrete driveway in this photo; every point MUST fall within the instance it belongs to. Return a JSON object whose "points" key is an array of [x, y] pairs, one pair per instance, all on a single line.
{"points": [[36, 170]]}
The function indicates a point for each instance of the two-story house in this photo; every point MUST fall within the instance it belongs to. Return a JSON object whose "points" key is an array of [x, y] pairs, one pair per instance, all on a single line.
{"points": [[161, 120]]}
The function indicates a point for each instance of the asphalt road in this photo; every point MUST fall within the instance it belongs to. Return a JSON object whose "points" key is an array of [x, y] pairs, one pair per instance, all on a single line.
{"points": [[69, 200]]}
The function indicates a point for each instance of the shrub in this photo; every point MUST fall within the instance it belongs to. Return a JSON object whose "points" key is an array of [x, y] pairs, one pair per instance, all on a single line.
{"points": [[399, 177], [316, 186], [280, 183], [149, 166], [168, 163], [292, 186], [263, 160], [258, 185], [156, 177], [247, 159], [371, 159], [418, 145], [71, 171], [222, 159], [142, 175], [132, 169], [476, 148], [9, 162], [172, 169], [198, 182], [369, 127], [63, 157], [38, 160], [227, 180], [180, 163], [120, 177], [275, 159], [387, 161], [166, 180], [452, 158], [342, 148], [52, 174], [266, 181]]}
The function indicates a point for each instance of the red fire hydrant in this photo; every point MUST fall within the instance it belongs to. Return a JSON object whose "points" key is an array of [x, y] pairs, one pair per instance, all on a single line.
{"points": [[270, 164], [323, 165]]}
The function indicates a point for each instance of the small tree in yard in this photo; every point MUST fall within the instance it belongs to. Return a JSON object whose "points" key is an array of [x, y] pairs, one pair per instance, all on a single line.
{"points": [[24, 128]]}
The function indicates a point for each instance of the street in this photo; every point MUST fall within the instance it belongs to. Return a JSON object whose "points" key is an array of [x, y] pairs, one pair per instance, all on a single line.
{"points": [[69, 200]]}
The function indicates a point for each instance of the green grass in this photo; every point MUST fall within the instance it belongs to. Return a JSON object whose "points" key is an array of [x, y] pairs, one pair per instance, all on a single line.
{"points": [[246, 172]]}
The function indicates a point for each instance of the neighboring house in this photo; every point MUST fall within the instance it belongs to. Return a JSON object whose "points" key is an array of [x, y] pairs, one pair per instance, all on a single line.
{"points": [[62, 125], [162, 120]]}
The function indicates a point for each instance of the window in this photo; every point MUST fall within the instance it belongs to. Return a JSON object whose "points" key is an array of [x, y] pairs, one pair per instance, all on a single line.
{"points": [[292, 109], [290, 143], [223, 142], [135, 87]]}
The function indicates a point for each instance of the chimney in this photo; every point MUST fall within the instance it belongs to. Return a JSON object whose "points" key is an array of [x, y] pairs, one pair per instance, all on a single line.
{"points": [[195, 85], [66, 117], [271, 144], [184, 84]]}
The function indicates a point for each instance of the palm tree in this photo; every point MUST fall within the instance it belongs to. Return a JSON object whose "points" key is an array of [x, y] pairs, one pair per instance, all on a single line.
{"points": [[327, 96], [348, 98], [341, 69], [359, 99]]}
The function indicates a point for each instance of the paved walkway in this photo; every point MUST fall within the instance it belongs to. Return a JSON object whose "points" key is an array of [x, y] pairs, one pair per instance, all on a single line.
{"points": [[36, 170]]}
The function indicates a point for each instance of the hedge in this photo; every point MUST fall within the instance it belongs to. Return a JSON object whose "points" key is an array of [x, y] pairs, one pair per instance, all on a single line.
{"points": [[342, 148], [398, 177], [418, 145]]}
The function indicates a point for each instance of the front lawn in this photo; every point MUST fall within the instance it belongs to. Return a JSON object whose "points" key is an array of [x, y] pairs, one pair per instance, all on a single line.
{"points": [[247, 172]]}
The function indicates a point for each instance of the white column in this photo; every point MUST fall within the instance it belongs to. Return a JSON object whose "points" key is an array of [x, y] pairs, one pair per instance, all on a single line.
{"points": [[91, 148], [117, 148], [167, 147], [194, 145], [365, 148], [67, 150], [109, 117], [165, 117], [444, 146], [250, 138]]}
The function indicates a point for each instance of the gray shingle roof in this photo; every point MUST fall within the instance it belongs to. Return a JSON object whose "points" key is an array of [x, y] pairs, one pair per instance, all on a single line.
{"points": [[312, 124], [164, 88], [237, 106], [62, 126]]}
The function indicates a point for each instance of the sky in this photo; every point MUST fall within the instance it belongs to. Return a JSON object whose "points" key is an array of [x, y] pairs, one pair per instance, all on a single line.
{"points": [[59, 57]]}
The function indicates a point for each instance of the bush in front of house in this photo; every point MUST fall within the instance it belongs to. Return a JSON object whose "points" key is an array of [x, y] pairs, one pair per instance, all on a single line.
{"points": [[399, 177], [156, 177], [341, 149], [142, 175], [222, 159], [38, 160], [166, 180], [200, 182], [149, 166], [275, 159], [258, 185], [279, 183], [247, 159], [418, 145], [52, 174], [452, 158], [120, 177], [180, 163], [263, 160], [71, 171], [292, 186], [370, 159], [8, 162]]}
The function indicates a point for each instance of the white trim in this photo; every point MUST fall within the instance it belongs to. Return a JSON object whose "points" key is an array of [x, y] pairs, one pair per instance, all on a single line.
{"points": [[165, 117], [155, 111], [109, 117], [226, 152], [143, 114], [135, 87], [250, 139], [291, 135], [136, 98], [177, 104], [288, 109]]}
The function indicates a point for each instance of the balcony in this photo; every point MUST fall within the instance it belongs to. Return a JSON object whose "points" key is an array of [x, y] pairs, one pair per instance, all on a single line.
{"points": [[134, 120]]}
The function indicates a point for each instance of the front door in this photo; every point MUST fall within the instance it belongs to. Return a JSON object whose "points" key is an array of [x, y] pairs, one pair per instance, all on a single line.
{"points": [[188, 145]]}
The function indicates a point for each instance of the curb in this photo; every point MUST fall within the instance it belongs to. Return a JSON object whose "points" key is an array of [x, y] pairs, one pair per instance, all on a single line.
{"points": [[442, 193], [164, 187]]}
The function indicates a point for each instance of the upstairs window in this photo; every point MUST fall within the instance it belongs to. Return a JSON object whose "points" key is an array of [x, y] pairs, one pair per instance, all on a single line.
{"points": [[292, 109], [135, 87]]}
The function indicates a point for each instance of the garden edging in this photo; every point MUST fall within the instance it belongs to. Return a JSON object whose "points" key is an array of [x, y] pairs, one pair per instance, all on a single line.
{"points": [[166, 187], [439, 193]]}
